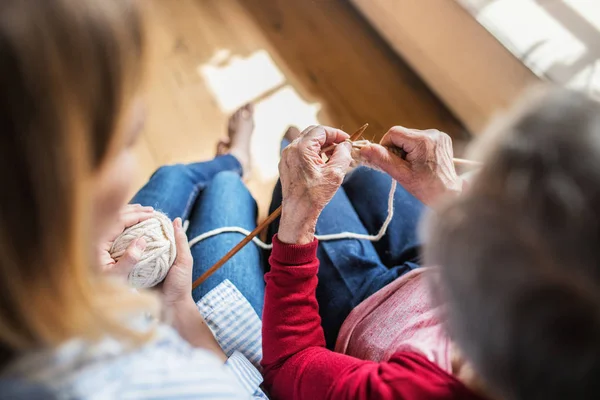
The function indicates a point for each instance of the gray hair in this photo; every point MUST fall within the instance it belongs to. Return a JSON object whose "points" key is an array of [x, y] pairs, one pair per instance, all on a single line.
{"points": [[518, 253]]}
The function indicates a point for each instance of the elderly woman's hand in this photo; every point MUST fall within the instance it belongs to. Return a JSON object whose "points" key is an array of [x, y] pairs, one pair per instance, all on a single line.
{"points": [[308, 183], [427, 170]]}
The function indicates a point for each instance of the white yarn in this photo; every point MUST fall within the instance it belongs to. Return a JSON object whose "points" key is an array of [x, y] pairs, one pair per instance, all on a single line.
{"points": [[229, 229], [159, 254], [322, 238]]}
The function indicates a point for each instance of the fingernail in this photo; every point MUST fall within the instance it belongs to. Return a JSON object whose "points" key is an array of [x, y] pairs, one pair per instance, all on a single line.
{"points": [[178, 223], [141, 243]]}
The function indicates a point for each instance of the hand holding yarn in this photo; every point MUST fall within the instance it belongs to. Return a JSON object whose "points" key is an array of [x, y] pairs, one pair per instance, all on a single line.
{"points": [[130, 215], [153, 264], [147, 249], [177, 287], [426, 167]]}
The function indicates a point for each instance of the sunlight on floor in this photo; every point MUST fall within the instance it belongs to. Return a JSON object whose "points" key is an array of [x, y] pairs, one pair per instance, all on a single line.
{"points": [[235, 81]]}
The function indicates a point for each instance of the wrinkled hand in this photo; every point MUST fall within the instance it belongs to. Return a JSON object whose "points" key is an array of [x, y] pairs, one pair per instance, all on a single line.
{"points": [[308, 183], [427, 171], [177, 287], [130, 215]]}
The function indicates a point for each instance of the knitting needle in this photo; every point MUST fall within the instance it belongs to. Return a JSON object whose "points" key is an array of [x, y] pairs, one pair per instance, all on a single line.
{"points": [[457, 161], [469, 163], [355, 136], [402, 154], [237, 248], [262, 226]]}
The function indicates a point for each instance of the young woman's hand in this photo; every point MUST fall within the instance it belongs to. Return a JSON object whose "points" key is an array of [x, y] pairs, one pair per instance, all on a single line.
{"points": [[177, 287], [177, 296], [308, 183], [427, 170], [130, 215]]}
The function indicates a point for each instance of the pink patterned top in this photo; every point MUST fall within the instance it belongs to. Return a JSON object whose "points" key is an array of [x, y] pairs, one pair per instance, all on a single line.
{"points": [[399, 317]]}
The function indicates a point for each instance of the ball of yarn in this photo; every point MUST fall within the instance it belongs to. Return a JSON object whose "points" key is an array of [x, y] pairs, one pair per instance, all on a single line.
{"points": [[159, 254]]}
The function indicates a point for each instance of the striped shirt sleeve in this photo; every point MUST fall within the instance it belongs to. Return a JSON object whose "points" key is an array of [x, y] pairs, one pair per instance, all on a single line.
{"points": [[237, 328], [248, 376], [233, 321]]}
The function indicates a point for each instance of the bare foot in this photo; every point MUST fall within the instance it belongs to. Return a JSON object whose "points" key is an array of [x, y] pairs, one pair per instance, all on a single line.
{"points": [[239, 130], [292, 134]]}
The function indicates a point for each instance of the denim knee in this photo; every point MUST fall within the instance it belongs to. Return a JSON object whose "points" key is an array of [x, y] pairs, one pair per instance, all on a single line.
{"points": [[170, 172], [232, 183], [229, 179]]}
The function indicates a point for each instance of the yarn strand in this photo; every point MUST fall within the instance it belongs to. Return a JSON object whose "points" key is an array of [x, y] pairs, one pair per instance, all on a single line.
{"points": [[323, 238]]}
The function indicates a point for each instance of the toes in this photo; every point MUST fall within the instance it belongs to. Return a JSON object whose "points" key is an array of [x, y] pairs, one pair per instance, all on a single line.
{"points": [[247, 111], [241, 123], [237, 114]]}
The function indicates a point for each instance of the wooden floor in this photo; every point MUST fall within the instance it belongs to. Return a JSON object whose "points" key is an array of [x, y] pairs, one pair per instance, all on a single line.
{"points": [[299, 61]]}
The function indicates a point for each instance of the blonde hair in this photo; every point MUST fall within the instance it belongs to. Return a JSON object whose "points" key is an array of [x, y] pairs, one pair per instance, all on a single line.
{"points": [[68, 71]]}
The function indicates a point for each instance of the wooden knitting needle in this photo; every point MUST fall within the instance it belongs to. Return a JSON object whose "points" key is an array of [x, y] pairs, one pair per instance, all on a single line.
{"points": [[355, 136], [402, 154], [262, 226], [469, 163], [237, 248]]}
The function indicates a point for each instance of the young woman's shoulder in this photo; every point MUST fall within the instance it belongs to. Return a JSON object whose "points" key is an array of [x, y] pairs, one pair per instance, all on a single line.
{"points": [[167, 367]]}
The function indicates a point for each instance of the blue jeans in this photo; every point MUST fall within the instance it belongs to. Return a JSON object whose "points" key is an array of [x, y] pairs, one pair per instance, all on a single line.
{"points": [[211, 195], [352, 270]]}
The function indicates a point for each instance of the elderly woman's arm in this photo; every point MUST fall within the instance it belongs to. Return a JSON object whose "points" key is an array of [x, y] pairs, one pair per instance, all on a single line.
{"points": [[426, 170], [296, 363], [297, 366]]}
